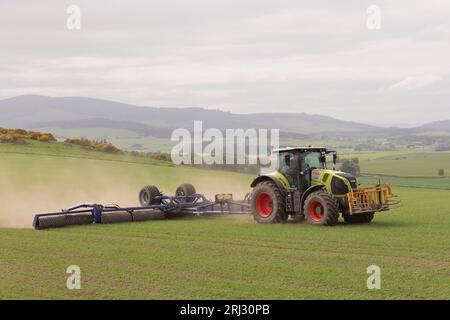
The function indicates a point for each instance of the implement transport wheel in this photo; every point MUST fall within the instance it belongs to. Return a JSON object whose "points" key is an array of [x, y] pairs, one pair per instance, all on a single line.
{"points": [[186, 189], [321, 208], [148, 194], [268, 204], [358, 218]]}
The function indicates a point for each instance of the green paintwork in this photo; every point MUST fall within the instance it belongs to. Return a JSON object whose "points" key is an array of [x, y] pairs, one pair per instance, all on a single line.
{"points": [[318, 177], [324, 176], [280, 177]]}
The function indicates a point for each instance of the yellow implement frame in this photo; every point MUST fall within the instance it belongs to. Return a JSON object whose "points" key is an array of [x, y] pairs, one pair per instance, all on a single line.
{"points": [[370, 199]]}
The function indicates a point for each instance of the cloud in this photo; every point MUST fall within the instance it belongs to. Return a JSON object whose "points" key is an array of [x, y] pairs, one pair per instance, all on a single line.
{"points": [[241, 56], [414, 83]]}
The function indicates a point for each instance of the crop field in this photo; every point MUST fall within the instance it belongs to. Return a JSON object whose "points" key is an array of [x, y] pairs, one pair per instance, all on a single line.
{"points": [[410, 182], [229, 257], [119, 137], [405, 168], [412, 164]]}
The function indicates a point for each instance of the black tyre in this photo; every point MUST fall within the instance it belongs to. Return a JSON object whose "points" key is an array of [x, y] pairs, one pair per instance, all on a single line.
{"points": [[148, 194], [321, 208], [359, 218], [186, 189], [268, 203]]}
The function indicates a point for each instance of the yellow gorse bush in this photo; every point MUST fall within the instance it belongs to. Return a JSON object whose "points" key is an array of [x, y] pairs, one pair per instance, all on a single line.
{"points": [[18, 136], [94, 145]]}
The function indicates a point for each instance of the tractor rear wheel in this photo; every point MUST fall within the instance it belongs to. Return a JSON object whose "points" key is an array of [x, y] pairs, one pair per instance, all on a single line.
{"points": [[321, 208], [148, 194], [268, 203], [359, 218]]}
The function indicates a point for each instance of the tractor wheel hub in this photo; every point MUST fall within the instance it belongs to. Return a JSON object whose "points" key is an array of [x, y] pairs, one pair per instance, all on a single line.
{"points": [[264, 204]]}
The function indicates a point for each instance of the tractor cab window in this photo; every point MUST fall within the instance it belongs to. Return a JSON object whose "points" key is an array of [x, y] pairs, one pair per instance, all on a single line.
{"points": [[288, 165], [310, 160], [313, 160]]}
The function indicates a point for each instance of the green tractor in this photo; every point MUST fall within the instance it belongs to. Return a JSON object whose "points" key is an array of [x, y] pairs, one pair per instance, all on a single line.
{"points": [[302, 187]]}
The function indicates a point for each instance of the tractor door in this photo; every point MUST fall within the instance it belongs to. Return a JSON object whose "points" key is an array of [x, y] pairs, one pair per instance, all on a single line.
{"points": [[310, 160], [305, 173], [289, 164]]}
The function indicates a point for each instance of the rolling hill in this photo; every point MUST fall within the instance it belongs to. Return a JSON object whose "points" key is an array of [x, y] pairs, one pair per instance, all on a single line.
{"points": [[35, 112], [150, 128], [442, 125]]}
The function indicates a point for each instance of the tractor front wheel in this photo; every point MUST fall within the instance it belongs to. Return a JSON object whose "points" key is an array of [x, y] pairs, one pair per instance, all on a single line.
{"points": [[268, 204], [321, 208]]}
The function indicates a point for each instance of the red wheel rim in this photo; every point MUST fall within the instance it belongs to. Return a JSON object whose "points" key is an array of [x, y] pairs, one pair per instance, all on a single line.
{"points": [[316, 211], [264, 204]]}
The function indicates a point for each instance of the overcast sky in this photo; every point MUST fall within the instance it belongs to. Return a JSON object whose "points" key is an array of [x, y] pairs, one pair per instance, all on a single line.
{"points": [[242, 56]]}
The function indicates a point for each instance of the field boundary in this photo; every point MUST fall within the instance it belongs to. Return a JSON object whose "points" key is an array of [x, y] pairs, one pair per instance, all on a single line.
{"points": [[418, 187], [368, 174], [86, 158], [415, 186], [156, 163]]}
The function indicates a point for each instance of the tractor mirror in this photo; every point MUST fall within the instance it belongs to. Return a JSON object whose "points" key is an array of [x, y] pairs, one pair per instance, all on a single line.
{"points": [[334, 158], [323, 158], [287, 160]]}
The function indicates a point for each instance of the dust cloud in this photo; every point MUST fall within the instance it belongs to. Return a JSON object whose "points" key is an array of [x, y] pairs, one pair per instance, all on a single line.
{"points": [[21, 199]]}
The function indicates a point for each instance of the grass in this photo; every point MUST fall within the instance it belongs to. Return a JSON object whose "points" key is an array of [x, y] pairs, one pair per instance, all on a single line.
{"points": [[234, 258], [227, 257], [60, 149], [122, 138], [90, 166], [405, 168], [410, 164], [412, 182]]}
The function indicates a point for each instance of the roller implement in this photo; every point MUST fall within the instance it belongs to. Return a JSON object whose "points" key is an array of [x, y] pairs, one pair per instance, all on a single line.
{"points": [[154, 205], [302, 188]]}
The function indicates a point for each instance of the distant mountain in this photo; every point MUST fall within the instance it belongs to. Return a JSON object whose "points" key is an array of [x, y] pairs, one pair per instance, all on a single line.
{"points": [[442, 125], [35, 112], [76, 112]]}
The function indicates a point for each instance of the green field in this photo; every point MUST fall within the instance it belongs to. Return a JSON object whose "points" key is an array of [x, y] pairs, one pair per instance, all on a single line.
{"points": [[410, 164], [405, 168], [202, 258], [122, 138]]}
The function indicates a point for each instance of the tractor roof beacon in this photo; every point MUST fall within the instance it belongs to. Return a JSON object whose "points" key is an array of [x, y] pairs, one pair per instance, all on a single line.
{"points": [[303, 187]]}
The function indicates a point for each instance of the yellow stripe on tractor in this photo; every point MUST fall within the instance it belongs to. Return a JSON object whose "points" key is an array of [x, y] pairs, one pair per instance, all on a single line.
{"points": [[372, 199]]}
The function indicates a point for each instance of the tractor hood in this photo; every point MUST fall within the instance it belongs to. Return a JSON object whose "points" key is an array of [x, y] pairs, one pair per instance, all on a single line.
{"points": [[349, 177], [337, 182]]}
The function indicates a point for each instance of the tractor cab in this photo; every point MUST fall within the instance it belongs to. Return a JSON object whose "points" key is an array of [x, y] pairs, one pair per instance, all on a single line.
{"points": [[298, 164]]}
